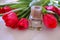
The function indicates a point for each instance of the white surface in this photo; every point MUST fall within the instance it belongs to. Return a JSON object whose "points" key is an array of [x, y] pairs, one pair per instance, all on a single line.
{"points": [[14, 34]]}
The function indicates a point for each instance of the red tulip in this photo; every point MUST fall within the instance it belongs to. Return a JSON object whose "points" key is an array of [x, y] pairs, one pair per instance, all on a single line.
{"points": [[50, 21], [51, 8], [23, 24], [58, 12], [54, 9], [7, 8], [10, 19], [2, 10]]}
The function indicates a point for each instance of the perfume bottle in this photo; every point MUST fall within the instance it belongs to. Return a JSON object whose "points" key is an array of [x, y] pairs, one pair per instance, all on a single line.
{"points": [[36, 17]]}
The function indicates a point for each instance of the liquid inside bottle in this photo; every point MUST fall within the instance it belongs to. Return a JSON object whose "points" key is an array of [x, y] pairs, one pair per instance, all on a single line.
{"points": [[36, 17]]}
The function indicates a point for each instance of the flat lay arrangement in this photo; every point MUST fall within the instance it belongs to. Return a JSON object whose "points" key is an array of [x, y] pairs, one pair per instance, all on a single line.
{"points": [[31, 15]]}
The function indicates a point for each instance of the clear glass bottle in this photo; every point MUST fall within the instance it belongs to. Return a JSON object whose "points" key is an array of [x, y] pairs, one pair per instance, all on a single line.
{"points": [[36, 17]]}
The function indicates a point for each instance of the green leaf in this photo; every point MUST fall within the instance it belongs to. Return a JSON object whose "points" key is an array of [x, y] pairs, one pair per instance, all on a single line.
{"points": [[25, 0], [24, 11], [44, 10], [55, 3], [44, 2], [23, 4], [40, 2], [20, 5], [58, 4]]}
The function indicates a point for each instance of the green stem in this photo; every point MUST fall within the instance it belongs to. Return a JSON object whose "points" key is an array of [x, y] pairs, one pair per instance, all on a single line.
{"points": [[28, 16], [44, 11], [24, 11], [45, 3], [17, 9], [24, 16], [20, 5]]}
